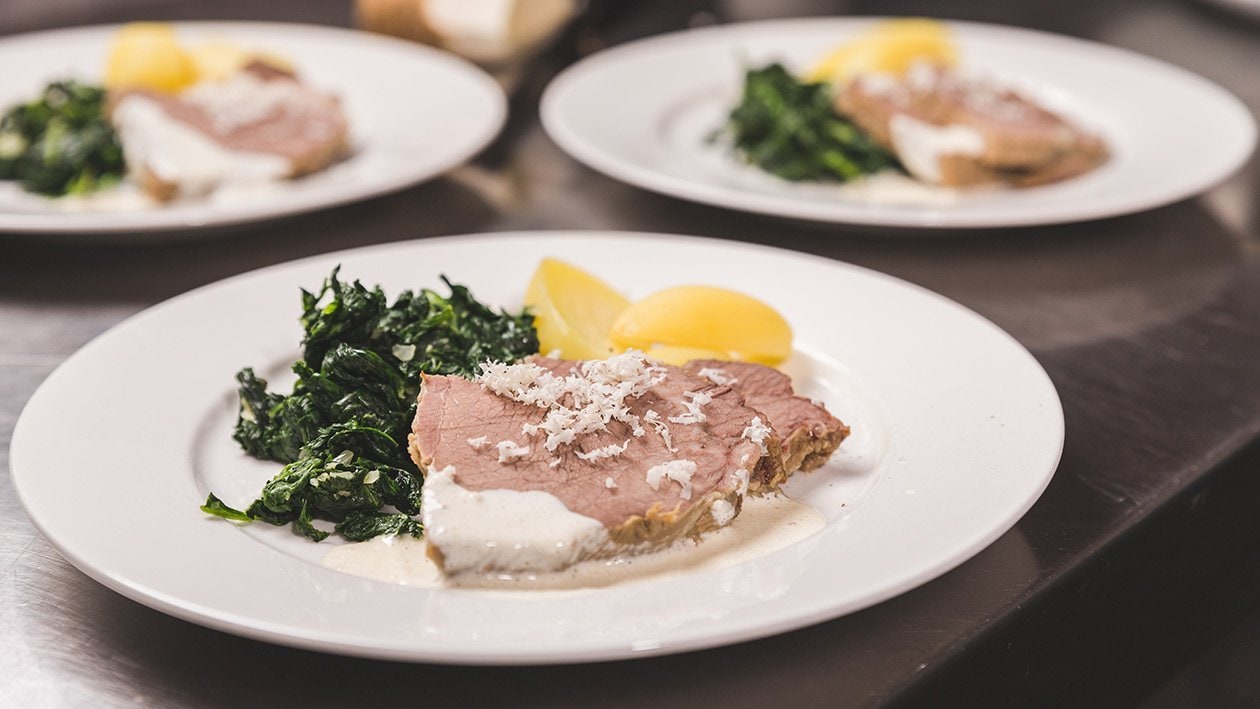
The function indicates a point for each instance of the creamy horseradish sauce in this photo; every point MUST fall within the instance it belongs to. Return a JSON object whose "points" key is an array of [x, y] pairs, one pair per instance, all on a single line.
{"points": [[765, 524], [530, 530], [921, 145]]}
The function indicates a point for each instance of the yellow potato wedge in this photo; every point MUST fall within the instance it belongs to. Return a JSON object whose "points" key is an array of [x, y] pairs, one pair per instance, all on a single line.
{"points": [[705, 318], [573, 310]]}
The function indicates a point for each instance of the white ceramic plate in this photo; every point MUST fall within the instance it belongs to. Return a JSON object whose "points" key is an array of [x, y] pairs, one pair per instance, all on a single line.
{"points": [[642, 112], [957, 431], [414, 113]]}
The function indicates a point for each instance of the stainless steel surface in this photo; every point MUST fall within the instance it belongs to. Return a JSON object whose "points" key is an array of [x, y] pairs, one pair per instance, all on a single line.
{"points": [[1146, 323]]}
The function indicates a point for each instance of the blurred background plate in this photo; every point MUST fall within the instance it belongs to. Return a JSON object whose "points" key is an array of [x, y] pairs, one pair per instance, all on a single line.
{"points": [[643, 113], [414, 113]]}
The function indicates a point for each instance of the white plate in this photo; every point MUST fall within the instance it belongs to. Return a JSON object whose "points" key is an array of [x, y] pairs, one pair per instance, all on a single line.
{"points": [[641, 113], [414, 113], [957, 431]]}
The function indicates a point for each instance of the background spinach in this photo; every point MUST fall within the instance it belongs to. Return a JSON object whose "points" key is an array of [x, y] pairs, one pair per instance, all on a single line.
{"points": [[789, 128], [61, 143]]}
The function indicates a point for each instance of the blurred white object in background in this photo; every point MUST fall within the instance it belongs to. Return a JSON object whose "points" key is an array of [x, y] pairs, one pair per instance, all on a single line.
{"points": [[498, 34]]}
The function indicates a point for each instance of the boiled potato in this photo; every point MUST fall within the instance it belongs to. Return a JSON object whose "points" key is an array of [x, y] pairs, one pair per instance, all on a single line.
{"points": [[217, 60], [708, 319], [890, 47], [147, 55], [573, 310]]}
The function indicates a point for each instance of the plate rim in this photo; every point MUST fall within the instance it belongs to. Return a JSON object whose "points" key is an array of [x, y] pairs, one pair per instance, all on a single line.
{"points": [[235, 623], [149, 222], [590, 153]]}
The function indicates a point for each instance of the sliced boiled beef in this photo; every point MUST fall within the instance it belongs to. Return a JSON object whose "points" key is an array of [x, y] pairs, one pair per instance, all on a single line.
{"points": [[957, 131], [651, 453], [260, 124]]}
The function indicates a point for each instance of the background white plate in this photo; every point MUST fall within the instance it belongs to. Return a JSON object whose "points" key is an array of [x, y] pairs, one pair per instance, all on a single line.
{"points": [[641, 112], [414, 113], [957, 430]]}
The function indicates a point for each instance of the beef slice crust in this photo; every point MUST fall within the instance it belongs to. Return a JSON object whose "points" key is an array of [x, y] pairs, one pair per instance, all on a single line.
{"points": [[808, 433]]}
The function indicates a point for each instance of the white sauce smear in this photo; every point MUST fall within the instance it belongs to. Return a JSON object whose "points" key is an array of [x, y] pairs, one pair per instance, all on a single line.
{"points": [[920, 145], [765, 525], [489, 529], [891, 188]]}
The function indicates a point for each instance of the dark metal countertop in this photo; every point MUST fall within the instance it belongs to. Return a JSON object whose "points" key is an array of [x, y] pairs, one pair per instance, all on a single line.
{"points": [[1142, 552]]}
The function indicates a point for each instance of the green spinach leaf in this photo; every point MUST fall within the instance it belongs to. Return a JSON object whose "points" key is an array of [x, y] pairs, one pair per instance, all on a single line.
{"points": [[789, 128], [61, 143], [342, 431]]}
